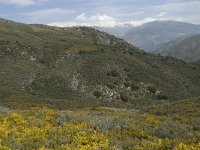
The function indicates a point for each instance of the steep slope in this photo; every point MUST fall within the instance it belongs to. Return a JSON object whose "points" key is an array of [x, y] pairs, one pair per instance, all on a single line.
{"points": [[154, 35], [83, 63], [187, 49]]}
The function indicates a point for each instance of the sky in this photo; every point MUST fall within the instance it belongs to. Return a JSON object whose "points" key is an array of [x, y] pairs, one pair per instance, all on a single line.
{"points": [[104, 13]]}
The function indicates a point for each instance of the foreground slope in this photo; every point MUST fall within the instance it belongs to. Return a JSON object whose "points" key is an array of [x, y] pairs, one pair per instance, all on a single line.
{"points": [[187, 49], [167, 126], [83, 63]]}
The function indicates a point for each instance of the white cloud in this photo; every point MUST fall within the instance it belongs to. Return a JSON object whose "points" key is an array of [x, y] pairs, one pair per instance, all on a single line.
{"points": [[81, 17], [21, 2], [48, 13], [161, 14], [100, 20], [141, 22], [65, 24], [96, 20], [178, 10]]}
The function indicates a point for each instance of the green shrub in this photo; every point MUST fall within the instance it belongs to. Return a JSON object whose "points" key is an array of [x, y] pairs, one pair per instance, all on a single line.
{"points": [[152, 89], [172, 130], [98, 94], [162, 97], [113, 73], [124, 97], [111, 86], [126, 69], [128, 84], [134, 87]]}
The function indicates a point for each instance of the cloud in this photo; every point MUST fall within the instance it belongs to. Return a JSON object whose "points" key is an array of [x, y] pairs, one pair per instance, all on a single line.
{"points": [[21, 2], [161, 14], [102, 13], [141, 22], [96, 20], [48, 14], [100, 21], [179, 10]]}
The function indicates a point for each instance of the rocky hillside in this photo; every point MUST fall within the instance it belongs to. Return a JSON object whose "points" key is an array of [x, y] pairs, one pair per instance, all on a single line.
{"points": [[187, 49], [83, 63]]}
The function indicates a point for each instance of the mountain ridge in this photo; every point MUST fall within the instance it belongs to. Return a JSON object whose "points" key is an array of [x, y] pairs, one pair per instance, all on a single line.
{"points": [[156, 35], [149, 36], [84, 63], [187, 49]]}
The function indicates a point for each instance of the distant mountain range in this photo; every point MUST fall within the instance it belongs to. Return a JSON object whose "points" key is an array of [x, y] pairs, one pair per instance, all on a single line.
{"points": [[161, 35], [153, 36], [118, 31], [187, 49]]}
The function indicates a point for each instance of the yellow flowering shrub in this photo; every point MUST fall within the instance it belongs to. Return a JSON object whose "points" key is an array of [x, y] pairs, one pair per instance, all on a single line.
{"points": [[3, 147], [37, 129], [183, 146], [152, 144], [151, 120], [93, 129]]}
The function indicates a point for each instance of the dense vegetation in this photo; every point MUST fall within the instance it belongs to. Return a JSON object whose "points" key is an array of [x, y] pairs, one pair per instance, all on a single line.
{"points": [[161, 127], [83, 63]]}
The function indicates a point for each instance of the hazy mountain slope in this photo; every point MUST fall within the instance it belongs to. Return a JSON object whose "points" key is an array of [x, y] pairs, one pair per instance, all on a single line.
{"points": [[187, 49], [154, 35], [118, 31], [197, 62], [83, 63]]}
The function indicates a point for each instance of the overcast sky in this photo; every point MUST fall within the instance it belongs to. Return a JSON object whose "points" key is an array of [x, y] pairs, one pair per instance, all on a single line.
{"points": [[99, 12]]}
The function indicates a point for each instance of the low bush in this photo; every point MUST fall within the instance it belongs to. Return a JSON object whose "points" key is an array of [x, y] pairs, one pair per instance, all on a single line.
{"points": [[98, 94], [152, 89], [124, 97], [113, 73], [162, 97]]}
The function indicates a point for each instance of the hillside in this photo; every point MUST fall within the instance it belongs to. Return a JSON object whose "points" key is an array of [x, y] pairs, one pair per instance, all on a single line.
{"points": [[173, 126], [197, 62], [79, 88], [187, 49], [50, 63], [155, 35]]}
